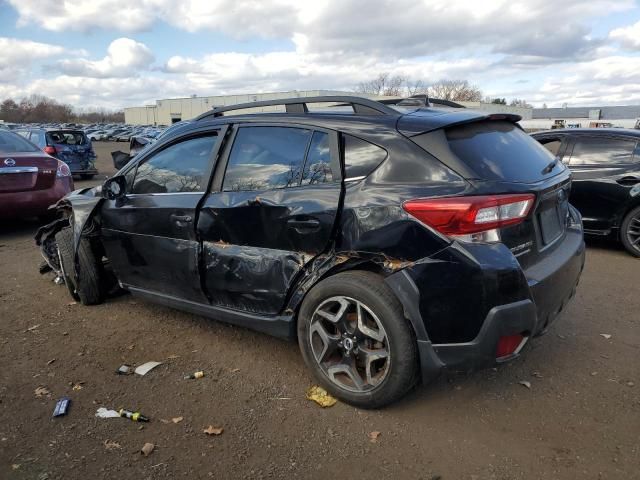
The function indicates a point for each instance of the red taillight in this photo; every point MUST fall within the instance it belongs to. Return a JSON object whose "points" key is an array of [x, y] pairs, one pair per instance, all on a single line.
{"points": [[49, 150], [508, 345], [473, 214]]}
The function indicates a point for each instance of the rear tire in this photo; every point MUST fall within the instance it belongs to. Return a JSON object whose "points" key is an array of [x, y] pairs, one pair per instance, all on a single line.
{"points": [[87, 288], [366, 354], [630, 232]]}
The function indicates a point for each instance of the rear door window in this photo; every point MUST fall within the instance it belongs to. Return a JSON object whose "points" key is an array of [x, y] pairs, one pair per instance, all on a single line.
{"points": [[602, 151], [501, 151], [264, 158], [317, 168]]}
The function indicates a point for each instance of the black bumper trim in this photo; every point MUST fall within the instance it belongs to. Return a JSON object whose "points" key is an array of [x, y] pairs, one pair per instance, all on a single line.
{"points": [[511, 319]]}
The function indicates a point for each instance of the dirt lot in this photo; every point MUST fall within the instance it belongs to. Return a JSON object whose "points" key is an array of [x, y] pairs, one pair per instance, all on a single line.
{"points": [[579, 419]]}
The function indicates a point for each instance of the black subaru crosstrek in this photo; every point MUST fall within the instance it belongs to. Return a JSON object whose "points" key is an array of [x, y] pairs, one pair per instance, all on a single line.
{"points": [[395, 242]]}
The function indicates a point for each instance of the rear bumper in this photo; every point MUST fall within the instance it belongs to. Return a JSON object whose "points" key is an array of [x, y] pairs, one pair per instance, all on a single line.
{"points": [[538, 296], [35, 202]]}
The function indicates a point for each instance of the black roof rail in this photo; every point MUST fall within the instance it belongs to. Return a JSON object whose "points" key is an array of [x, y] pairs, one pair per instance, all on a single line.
{"points": [[420, 100], [360, 105]]}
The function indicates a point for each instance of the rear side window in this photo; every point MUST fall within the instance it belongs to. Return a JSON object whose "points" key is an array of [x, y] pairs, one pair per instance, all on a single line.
{"points": [[360, 157], [265, 158], [500, 151], [12, 143], [182, 167], [67, 138], [602, 150]]}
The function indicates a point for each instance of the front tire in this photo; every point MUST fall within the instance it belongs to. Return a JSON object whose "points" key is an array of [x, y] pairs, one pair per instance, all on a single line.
{"points": [[354, 337], [87, 288], [630, 232]]}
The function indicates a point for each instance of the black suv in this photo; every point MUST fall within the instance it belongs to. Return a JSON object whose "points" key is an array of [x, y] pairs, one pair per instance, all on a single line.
{"points": [[393, 242], [606, 178]]}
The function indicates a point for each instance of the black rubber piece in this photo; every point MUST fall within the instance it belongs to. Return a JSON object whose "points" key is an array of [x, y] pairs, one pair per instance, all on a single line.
{"points": [[370, 289], [635, 213], [88, 287]]}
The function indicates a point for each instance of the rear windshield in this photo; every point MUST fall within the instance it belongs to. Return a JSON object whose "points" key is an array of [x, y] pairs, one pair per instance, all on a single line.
{"points": [[501, 151], [12, 143], [67, 138]]}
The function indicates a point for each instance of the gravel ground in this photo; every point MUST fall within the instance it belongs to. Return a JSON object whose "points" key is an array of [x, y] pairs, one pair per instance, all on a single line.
{"points": [[579, 419]]}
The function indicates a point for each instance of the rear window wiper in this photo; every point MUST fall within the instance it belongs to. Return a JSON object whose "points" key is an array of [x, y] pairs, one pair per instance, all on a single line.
{"points": [[550, 167]]}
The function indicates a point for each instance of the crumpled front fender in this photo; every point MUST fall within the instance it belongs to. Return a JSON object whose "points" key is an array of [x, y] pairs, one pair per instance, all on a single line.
{"points": [[80, 205]]}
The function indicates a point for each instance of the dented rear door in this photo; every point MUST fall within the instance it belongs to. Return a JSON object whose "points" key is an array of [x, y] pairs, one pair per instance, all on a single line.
{"points": [[273, 209]]}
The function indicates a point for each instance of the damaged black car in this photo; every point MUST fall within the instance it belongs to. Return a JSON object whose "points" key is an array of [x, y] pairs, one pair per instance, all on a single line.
{"points": [[395, 242]]}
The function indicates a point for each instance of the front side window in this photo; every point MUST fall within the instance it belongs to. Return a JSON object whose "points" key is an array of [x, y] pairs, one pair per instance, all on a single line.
{"points": [[179, 168], [265, 158], [601, 151]]}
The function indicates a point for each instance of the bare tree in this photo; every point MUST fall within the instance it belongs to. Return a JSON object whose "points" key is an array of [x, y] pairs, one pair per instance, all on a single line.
{"points": [[518, 102], [416, 87], [383, 84], [455, 90]]}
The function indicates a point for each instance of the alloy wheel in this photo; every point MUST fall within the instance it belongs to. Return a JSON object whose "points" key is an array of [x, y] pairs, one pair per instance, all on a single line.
{"points": [[633, 232], [349, 344]]}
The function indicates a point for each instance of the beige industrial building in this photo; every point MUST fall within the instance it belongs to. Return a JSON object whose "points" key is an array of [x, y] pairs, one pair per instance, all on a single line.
{"points": [[172, 110]]}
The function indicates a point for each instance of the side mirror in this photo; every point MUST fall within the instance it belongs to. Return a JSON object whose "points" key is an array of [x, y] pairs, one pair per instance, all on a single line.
{"points": [[114, 188], [120, 159]]}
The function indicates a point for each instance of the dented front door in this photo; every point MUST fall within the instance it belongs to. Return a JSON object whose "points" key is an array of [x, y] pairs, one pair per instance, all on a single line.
{"points": [[273, 212]]}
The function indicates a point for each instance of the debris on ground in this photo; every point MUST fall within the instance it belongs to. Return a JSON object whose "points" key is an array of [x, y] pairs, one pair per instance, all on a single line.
{"points": [[320, 396], [62, 406], [106, 413], [177, 419], [147, 448], [194, 375], [211, 430], [111, 445], [373, 436], [72, 303], [78, 386], [133, 416], [42, 392], [524, 383], [630, 384], [146, 367], [124, 370], [51, 361], [31, 329], [536, 374], [606, 336]]}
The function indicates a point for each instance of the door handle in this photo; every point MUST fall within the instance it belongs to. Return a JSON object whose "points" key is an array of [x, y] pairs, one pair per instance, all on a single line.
{"points": [[628, 181], [180, 220], [304, 226]]}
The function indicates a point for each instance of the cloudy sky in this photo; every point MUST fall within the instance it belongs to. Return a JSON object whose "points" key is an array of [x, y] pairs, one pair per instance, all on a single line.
{"points": [[117, 53]]}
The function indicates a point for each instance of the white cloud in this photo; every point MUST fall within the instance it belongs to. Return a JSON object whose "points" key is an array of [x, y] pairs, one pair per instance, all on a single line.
{"points": [[331, 44], [628, 37], [16, 56], [125, 58]]}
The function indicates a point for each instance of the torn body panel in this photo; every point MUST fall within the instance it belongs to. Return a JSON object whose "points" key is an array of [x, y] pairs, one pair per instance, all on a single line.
{"points": [[76, 209]]}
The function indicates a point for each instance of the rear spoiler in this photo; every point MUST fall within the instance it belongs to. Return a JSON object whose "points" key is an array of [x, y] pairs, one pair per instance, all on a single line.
{"points": [[414, 124]]}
